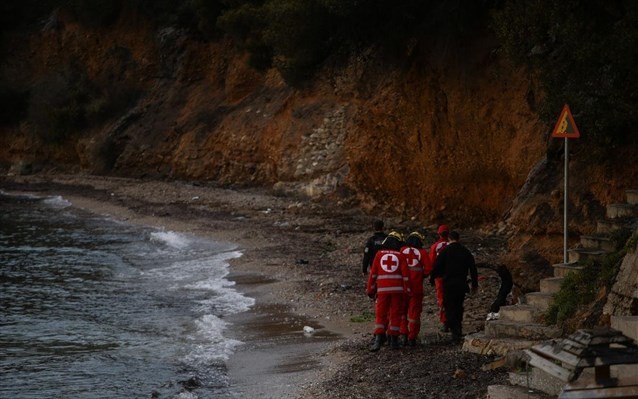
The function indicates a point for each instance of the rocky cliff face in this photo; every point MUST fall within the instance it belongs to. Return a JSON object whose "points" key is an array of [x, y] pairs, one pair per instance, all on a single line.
{"points": [[623, 298], [452, 135]]}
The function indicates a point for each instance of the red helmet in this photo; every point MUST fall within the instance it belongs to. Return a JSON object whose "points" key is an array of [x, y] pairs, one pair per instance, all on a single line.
{"points": [[443, 228]]}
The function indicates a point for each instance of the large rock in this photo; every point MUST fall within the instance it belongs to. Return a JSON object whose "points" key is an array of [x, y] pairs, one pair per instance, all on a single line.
{"points": [[623, 298]]}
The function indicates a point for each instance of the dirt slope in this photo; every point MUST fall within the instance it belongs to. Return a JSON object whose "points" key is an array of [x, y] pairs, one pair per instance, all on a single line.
{"points": [[452, 135]]}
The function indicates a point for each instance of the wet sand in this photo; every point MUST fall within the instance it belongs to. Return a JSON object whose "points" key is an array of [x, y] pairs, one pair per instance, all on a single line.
{"points": [[301, 262], [277, 357]]}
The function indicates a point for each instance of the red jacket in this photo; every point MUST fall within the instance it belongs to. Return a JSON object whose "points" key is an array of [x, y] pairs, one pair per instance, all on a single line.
{"points": [[389, 273], [436, 248], [419, 266]]}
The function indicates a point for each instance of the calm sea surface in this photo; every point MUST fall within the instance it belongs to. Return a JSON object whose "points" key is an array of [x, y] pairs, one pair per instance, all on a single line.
{"points": [[91, 308]]}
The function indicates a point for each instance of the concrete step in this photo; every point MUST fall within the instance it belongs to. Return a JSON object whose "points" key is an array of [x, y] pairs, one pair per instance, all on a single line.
{"points": [[538, 380], [527, 331], [584, 254], [609, 226], [632, 197], [628, 325], [483, 345], [563, 269], [604, 243], [539, 299], [520, 313], [512, 392], [615, 211], [551, 285]]}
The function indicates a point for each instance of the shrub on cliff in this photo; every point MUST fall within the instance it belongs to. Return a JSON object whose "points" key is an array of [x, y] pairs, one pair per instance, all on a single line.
{"points": [[585, 53], [63, 103], [292, 36], [579, 302], [297, 36]]}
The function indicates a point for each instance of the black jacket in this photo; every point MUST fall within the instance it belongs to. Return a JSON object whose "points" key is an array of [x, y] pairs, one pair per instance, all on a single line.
{"points": [[372, 246], [453, 264]]}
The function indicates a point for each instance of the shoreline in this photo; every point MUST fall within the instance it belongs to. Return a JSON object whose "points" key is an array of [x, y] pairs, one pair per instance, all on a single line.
{"points": [[275, 357], [301, 263]]}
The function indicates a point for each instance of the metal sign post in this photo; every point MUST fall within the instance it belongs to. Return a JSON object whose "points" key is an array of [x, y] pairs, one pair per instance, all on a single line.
{"points": [[566, 128], [565, 190]]}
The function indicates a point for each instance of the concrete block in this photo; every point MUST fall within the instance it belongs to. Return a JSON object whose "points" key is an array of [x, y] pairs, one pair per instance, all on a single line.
{"points": [[528, 331], [628, 325], [615, 211], [598, 242], [632, 197], [609, 226], [520, 313], [537, 380], [551, 285], [539, 299], [563, 269], [584, 254]]}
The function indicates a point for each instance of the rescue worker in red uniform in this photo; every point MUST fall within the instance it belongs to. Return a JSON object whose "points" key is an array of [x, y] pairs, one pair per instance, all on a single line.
{"points": [[388, 282], [419, 266], [435, 249]]}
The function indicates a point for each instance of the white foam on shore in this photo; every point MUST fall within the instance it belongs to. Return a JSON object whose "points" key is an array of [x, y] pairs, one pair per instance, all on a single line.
{"points": [[171, 239], [212, 343], [57, 201], [202, 271], [21, 195]]}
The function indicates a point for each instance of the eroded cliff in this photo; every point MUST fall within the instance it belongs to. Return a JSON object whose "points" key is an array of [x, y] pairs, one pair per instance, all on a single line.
{"points": [[450, 135]]}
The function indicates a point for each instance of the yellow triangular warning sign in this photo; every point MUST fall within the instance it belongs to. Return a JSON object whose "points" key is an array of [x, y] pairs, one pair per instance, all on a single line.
{"points": [[566, 127]]}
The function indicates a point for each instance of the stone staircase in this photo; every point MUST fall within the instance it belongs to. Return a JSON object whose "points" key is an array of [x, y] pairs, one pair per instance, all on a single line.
{"points": [[519, 326]]}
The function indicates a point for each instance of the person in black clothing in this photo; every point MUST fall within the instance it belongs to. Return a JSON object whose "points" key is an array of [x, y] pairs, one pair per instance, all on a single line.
{"points": [[372, 246], [503, 292], [453, 264]]}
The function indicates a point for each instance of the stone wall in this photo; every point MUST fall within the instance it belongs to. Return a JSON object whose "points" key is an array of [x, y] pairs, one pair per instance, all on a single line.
{"points": [[623, 298]]}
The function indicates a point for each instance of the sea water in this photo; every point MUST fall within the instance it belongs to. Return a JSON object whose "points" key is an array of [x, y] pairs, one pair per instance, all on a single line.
{"points": [[93, 308]]}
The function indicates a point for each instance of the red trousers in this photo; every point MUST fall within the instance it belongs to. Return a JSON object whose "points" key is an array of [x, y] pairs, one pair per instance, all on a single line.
{"points": [[389, 308], [439, 298], [411, 321]]}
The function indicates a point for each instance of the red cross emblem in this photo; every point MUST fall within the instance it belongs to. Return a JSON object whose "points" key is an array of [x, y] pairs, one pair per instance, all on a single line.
{"points": [[390, 263], [412, 255]]}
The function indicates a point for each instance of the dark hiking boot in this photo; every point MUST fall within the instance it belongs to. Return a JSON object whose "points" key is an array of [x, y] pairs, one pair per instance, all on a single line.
{"points": [[376, 345], [403, 340], [412, 342], [394, 342]]}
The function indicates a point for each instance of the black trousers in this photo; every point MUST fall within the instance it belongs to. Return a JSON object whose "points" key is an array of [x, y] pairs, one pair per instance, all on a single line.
{"points": [[501, 297], [453, 298]]}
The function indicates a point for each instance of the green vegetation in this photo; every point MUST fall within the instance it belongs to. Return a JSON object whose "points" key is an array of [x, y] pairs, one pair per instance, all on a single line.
{"points": [[580, 289], [363, 318], [296, 37], [67, 102], [583, 54]]}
